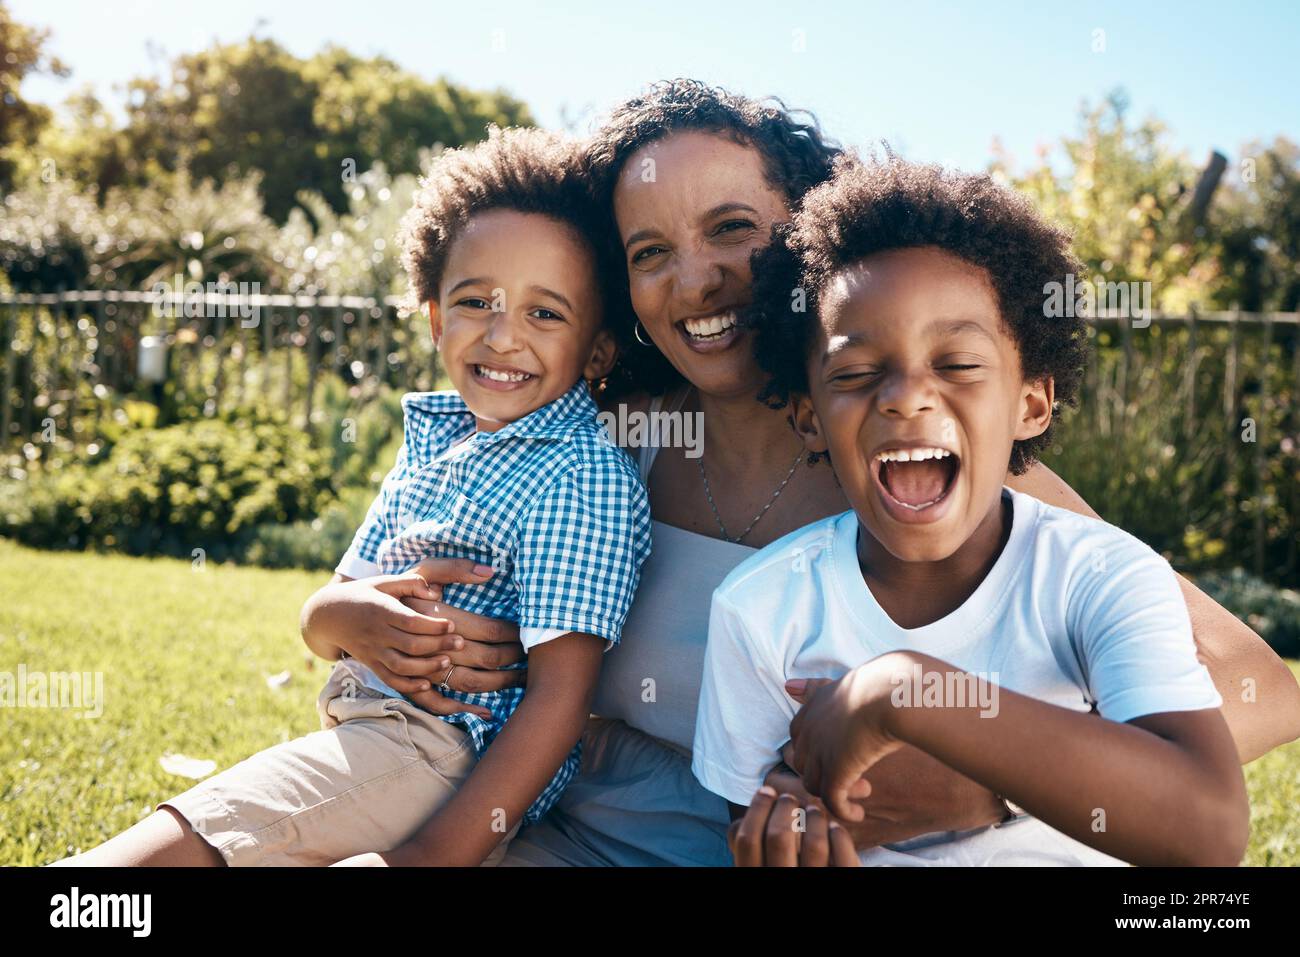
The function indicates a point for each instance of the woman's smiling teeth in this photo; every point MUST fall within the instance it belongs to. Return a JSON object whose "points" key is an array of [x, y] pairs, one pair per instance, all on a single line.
{"points": [[710, 327]]}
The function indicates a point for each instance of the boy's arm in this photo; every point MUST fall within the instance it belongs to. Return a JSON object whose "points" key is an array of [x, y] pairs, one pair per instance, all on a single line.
{"points": [[521, 761], [1109, 785], [1236, 657]]}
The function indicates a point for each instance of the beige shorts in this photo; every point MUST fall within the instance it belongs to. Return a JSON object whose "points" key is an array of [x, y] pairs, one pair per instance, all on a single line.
{"points": [[378, 769]]}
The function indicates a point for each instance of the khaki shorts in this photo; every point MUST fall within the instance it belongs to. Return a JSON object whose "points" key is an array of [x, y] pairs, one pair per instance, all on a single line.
{"points": [[378, 769]]}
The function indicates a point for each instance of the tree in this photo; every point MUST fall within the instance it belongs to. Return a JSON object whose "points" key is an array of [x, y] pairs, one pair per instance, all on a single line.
{"points": [[1257, 221], [1122, 192], [85, 147], [22, 52], [355, 253], [253, 107]]}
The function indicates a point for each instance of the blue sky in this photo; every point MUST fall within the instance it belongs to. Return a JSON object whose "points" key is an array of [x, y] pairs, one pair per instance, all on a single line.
{"points": [[938, 80]]}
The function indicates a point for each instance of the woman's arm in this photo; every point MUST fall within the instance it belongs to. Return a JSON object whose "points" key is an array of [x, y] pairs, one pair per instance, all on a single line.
{"points": [[1261, 699]]}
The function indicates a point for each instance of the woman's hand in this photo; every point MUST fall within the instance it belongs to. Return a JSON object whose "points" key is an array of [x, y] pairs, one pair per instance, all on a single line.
{"points": [[482, 646], [774, 833], [398, 626], [841, 731]]}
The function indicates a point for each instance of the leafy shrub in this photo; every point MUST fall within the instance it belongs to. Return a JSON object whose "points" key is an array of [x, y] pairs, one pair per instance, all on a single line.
{"points": [[1273, 612], [202, 484], [315, 544], [358, 434], [1154, 450]]}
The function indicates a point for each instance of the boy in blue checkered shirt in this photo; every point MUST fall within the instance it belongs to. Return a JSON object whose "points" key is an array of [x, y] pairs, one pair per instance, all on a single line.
{"points": [[512, 472], [512, 469]]}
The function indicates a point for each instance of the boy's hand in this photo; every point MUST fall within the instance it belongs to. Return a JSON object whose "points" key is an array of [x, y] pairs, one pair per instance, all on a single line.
{"points": [[912, 793], [774, 834], [841, 731]]}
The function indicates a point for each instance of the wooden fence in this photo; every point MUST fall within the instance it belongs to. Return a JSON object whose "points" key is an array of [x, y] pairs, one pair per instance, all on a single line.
{"points": [[67, 348], [71, 357], [63, 346]]}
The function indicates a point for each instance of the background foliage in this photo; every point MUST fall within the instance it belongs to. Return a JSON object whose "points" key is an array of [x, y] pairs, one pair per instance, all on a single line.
{"points": [[243, 162]]}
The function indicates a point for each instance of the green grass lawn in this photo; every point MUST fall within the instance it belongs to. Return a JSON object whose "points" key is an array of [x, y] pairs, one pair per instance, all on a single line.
{"points": [[185, 655]]}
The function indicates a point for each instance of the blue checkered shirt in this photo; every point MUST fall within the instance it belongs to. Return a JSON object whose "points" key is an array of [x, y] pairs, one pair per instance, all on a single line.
{"points": [[555, 507]]}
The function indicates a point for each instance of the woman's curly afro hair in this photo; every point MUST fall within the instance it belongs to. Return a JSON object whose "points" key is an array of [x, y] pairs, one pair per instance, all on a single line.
{"points": [[796, 156], [521, 169], [876, 205]]}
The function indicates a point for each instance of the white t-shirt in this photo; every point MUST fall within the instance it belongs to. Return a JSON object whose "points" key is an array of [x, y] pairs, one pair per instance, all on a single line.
{"points": [[1074, 612]]}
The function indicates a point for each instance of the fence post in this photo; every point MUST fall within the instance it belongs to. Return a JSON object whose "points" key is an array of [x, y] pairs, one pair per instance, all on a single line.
{"points": [[1295, 418], [100, 362], [313, 357], [1230, 409], [114, 342], [268, 339], [56, 363], [1126, 334], [11, 358], [29, 373], [364, 352], [1189, 382], [382, 364], [1230, 374], [1261, 411], [1126, 365], [338, 337], [73, 310], [242, 342], [289, 332], [219, 348]]}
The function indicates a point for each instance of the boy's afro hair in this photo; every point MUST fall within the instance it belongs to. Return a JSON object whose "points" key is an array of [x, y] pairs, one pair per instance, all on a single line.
{"points": [[522, 169], [877, 205]]}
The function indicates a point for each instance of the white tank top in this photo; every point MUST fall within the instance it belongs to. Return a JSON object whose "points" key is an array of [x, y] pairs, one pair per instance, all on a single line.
{"points": [[651, 680]]}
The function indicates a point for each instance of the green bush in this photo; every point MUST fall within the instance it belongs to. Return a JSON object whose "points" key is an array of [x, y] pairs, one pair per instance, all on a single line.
{"points": [[1273, 612], [204, 484], [1154, 450], [315, 544], [359, 437]]}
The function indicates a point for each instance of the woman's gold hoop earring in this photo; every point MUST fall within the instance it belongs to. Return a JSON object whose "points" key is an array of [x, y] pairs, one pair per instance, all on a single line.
{"points": [[636, 331]]}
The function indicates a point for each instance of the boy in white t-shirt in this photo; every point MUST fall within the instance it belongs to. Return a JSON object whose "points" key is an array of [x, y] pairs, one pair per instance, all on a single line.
{"points": [[1047, 656]]}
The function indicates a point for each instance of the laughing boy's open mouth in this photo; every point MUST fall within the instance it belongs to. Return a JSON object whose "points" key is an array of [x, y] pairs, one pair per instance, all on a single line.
{"points": [[916, 478]]}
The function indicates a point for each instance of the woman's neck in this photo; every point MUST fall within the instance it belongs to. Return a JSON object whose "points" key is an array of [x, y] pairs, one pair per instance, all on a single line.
{"points": [[741, 434]]}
